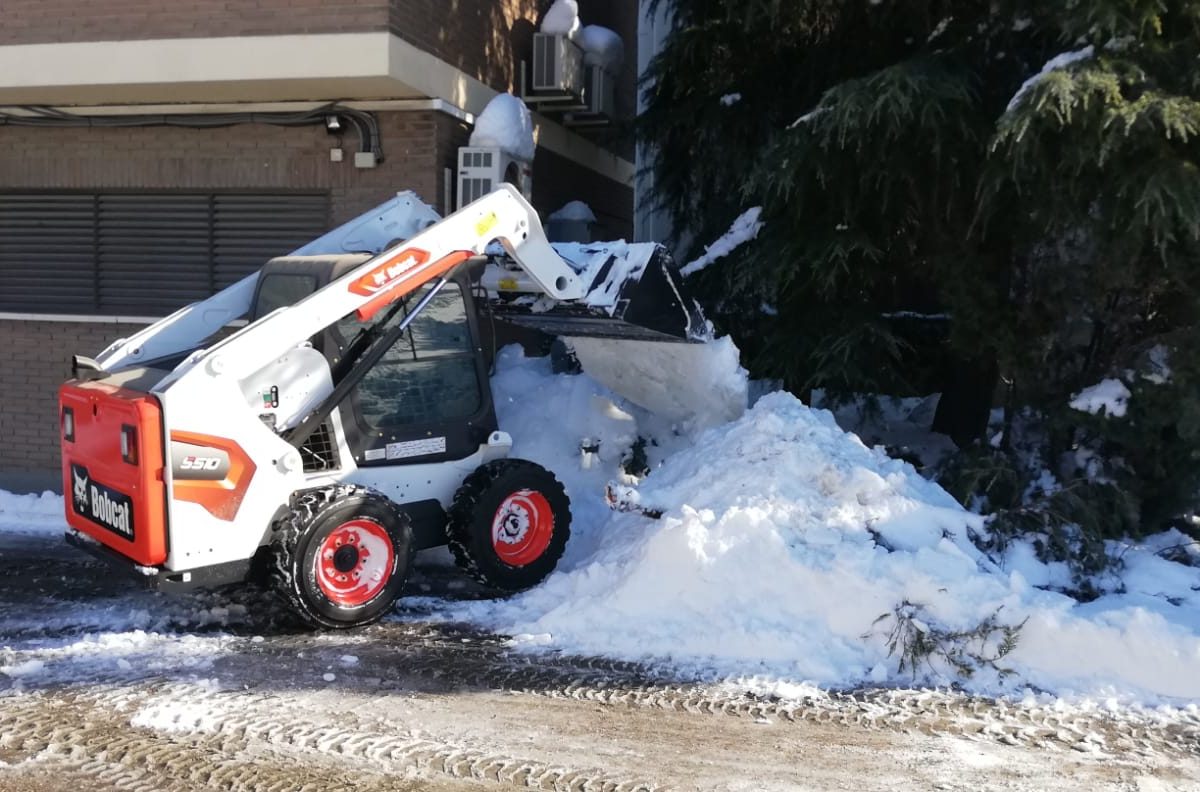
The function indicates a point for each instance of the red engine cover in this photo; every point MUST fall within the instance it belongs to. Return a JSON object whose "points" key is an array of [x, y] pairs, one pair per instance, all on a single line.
{"points": [[118, 502]]}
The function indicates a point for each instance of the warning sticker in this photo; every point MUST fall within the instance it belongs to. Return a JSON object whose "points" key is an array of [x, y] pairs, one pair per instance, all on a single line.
{"points": [[416, 448]]}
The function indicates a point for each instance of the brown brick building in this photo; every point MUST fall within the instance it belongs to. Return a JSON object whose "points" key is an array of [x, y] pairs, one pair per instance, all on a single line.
{"points": [[152, 152]]}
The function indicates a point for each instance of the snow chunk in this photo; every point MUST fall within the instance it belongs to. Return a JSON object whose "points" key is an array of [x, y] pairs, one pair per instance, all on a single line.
{"points": [[696, 385], [729, 100], [1057, 62], [602, 47], [1111, 395], [507, 125], [745, 228], [576, 211], [562, 19]]}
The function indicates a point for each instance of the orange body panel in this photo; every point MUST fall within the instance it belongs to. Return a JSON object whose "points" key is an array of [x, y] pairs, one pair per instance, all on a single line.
{"points": [[221, 497], [120, 504]]}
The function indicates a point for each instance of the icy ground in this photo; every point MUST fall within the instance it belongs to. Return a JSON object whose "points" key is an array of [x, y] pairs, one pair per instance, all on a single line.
{"points": [[746, 619]]}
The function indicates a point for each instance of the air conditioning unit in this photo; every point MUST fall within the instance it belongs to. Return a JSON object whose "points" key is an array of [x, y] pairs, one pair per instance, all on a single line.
{"points": [[599, 92], [480, 170], [557, 66]]}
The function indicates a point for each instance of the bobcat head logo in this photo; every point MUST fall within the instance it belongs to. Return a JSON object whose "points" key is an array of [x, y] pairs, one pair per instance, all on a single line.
{"points": [[81, 491]]}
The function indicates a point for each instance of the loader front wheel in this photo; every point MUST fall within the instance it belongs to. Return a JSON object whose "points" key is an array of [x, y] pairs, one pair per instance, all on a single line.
{"points": [[341, 555], [509, 524]]}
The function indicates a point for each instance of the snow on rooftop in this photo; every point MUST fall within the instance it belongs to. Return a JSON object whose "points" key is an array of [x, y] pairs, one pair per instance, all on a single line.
{"points": [[1110, 395], [507, 125]]}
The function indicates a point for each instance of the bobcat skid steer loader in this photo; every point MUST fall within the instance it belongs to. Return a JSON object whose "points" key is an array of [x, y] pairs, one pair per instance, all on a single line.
{"points": [[349, 423]]}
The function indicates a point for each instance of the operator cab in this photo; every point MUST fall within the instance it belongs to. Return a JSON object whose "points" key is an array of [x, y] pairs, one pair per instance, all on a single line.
{"points": [[426, 401]]}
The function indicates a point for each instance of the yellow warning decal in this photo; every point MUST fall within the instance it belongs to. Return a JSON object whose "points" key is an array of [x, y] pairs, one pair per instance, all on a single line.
{"points": [[508, 284], [486, 224]]}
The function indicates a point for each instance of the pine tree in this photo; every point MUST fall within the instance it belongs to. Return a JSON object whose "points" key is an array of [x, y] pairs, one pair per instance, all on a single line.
{"points": [[958, 195]]}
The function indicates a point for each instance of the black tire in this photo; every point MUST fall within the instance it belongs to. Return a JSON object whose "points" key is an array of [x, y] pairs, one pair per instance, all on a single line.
{"points": [[524, 490], [340, 520]]}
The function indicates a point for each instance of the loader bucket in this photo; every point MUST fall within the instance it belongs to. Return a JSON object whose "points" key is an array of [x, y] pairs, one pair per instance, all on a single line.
{"points": [[635, 293], [637, 332]]}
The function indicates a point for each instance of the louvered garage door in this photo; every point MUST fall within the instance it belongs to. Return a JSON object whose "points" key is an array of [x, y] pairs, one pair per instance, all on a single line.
{"points": [[142, 254]]}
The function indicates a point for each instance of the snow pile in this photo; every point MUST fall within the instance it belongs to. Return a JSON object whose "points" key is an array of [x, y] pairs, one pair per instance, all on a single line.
{"points": [[602, 47], [745, 228], [505, 124], [1111, 396], [31, 514], [1057, 62], [562, 19], [784, 541], [575, 211]]}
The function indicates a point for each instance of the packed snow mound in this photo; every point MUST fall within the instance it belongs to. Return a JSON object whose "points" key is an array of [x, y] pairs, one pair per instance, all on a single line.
{"points": [[31, 514], [575, 211], [602, 47], [562, 19], [785, 549], [507, 125]]}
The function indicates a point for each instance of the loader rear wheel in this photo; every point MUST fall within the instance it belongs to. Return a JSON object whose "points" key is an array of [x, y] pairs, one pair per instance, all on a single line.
{"points": [[509, 524], [341, 555]]}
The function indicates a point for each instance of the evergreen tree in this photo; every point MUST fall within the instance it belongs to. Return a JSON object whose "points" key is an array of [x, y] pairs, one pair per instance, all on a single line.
{"points": [[960, 195]]}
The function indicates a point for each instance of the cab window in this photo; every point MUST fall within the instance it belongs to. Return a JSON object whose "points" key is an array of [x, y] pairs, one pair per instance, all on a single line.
{"points": [[429, 374]]}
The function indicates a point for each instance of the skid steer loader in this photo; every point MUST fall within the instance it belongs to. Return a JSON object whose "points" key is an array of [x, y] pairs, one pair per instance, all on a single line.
{"points": [[349, 423]]}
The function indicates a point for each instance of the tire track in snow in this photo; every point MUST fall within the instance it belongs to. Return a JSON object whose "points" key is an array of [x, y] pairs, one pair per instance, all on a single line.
{"points": [[251, 741]]}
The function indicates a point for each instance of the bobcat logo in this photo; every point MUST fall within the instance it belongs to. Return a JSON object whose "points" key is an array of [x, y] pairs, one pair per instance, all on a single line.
{"points": [[82, 503]]}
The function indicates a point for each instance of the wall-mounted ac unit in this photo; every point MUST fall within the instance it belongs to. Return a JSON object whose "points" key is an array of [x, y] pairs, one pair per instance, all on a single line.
{"points": [[480, 170], [599, 92], [557, 66]]}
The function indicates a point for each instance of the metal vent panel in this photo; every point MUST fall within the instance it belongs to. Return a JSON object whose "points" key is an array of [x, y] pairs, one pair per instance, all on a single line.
{"points": [[142, 253]]}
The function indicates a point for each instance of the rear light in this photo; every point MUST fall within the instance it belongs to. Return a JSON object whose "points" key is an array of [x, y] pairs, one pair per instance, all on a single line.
{"points": [[129, 444], [68, 424]]}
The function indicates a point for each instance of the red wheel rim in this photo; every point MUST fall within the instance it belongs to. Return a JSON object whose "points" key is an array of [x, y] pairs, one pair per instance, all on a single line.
{"points": [[522, 528], [354, 562]]}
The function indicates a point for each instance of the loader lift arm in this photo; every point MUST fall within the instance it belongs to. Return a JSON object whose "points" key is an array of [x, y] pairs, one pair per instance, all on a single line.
{"points": [[368, 289]]}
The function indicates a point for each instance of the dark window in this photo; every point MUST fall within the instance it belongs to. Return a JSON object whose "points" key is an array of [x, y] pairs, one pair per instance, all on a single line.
{"points": [[142, 253], [279, 289], [429, 375]]}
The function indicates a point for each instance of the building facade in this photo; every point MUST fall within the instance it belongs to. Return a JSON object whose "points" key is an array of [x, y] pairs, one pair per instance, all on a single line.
{"points": [[152, 153]]}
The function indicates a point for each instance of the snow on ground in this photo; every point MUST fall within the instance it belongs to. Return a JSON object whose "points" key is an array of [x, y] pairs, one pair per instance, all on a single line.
{"points": [[31, 514], [787, 546], [507, 125], [785, 551], [1110, 395]]}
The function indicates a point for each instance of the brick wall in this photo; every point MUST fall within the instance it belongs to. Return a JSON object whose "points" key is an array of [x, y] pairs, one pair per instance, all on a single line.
{"points": [[37, 359], [38, 21], [249, 156]]}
